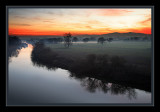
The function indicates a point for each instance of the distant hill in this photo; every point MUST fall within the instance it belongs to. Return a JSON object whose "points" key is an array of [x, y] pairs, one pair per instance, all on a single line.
{"points": [[123, 35], [118, 36]]}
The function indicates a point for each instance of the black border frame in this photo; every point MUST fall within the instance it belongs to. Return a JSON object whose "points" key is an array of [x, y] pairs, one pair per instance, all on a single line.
{"points": [[147, 6]]}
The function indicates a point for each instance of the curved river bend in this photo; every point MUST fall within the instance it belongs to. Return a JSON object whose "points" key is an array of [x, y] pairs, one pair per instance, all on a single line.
{"points": [[32, 85]]}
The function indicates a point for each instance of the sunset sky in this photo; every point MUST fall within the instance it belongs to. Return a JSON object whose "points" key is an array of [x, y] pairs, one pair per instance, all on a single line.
{"points": [[57, 21]]}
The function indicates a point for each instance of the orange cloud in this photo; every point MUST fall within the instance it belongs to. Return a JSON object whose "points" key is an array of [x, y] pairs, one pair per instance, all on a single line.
{"points": [[113, 12], [145, 22]]}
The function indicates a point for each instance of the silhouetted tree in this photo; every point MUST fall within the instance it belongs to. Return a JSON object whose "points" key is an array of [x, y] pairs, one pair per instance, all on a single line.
{"points": [[14, 46], [109, 39], [135, 38], [85, 39], [67, 39], [101, 40], [14, 40], [75, 39]]}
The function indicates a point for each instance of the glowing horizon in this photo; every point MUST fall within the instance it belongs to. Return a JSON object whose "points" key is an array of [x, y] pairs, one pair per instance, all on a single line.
{"points": [[52, 21]]}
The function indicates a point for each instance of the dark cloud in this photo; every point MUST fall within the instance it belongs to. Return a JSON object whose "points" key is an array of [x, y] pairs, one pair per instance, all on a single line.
{"points": [[21, 17], [37, 18], [21, 24], [48, 21], [50, 12], [56, 12]]}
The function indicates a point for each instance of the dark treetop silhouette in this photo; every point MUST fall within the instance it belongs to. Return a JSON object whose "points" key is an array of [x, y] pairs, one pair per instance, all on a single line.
{"points": [[14, 45], [85, 39], [67, 39], [75, 39], [101, 40]]}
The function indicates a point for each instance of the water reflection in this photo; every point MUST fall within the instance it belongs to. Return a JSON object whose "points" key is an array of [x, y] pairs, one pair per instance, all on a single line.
{"points": [[93, 84]]}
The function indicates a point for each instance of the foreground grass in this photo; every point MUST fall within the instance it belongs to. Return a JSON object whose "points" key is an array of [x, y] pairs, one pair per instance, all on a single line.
{"points": [[134, 52]]}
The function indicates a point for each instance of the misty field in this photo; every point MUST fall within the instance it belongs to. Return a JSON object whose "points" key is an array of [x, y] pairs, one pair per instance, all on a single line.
{"points": [[134, 52]]}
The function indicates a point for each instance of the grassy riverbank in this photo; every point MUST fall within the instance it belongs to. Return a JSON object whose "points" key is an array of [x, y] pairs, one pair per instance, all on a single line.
{"points": [[121, 62], [134, 52]]}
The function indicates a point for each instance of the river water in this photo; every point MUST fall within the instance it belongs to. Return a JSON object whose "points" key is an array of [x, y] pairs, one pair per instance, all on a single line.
{"points": [[28, 84]]}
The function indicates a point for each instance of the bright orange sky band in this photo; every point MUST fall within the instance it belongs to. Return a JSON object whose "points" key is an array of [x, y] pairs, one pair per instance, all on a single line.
{"points": [[51, 21]]}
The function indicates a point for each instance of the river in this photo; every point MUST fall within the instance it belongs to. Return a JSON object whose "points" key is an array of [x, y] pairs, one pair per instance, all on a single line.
{"points": [[28, 84]]}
